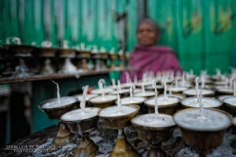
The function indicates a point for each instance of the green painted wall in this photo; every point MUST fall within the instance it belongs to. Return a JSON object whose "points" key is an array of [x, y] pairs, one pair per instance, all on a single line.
{"points": [[201, 32]]}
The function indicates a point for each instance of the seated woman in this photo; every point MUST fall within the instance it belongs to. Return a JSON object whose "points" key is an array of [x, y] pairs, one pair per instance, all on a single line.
{"points": [[147, 56]]}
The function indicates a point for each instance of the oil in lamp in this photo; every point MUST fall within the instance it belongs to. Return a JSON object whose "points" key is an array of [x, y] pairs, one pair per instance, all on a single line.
{"points": [[154, 128], [54, 108], [166, 104], [118, 117], [103, 100], [82, 121]]}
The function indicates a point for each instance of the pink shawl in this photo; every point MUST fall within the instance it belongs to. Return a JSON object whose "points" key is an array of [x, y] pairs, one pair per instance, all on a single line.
{"points": [[155, 58]]}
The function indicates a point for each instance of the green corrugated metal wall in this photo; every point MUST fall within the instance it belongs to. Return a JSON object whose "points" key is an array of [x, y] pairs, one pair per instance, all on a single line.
{"points": [[188, 26]]}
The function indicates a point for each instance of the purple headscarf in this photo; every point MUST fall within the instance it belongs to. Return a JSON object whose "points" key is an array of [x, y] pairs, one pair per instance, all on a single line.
{"points": [[155, 58]]}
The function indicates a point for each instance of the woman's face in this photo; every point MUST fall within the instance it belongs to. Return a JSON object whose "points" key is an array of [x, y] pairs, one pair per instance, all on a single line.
{"points": [[146, 35]]}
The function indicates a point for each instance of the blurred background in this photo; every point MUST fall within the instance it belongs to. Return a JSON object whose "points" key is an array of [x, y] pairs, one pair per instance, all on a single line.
{"points": [[201, 32]]}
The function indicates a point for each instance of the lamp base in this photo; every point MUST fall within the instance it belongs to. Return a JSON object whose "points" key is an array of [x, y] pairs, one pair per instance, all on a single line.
{"points": [[64, 136], [86, 147], [156, 151], [123, 148]]}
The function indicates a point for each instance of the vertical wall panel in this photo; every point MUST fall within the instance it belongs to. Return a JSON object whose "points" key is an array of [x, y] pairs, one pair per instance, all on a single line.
{"points": [[39, 34], [132, 22], [189, 30], [219, 35], [188, 26]]}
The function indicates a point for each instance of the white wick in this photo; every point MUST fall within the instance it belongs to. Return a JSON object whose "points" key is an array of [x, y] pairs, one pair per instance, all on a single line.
{"points": [[183, 79], [170, 92], [65, 44], [191, 72], [143, 89], [135, 79], [100, 84], [82, 102], [118, 100], [231, 83], [58, 93], [165, 96], [172, 75], [234, 88], [82, 46], [178, 75], [131, 86], [226, 83], [127, 76], [218, 72], [196, 82], [113, 83], [156, 100], [168, 74], [158, 75], [201, 104], [119, 89], [187, 76], [151, 75], [203, 81], [176, 82]]}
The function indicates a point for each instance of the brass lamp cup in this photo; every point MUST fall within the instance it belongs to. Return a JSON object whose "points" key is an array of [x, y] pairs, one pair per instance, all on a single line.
{"points": [[47, 51], [56, 112], [185, 106], [85, 125], [118, 122], [231, 108], [204, 95], [153, 89], [130, 131], [219, 97], [87, 103], [164, 109], [104, 55], [84, 54], [122, 148], [64, 136], [86, 146], [67, 52], [137, 103], [122, 94], [155, 136], [20, 49], [146, 97], [225, 92], [113, 57], [103, 104], [176, 96], [204, 141]]}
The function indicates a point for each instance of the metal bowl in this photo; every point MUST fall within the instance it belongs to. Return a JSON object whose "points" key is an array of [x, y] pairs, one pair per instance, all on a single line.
{"points": [[81, 126], [203, 141], [56, 112], [164, 109], [118, 122], [153, 134], [103, 104]]}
